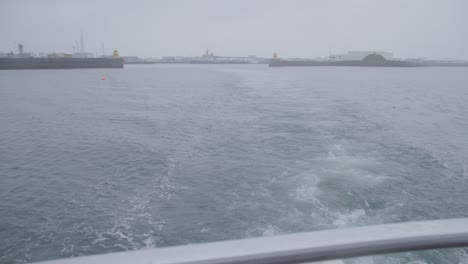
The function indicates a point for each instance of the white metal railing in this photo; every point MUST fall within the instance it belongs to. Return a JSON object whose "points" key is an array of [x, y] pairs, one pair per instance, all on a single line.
{"points": [[301, 247]]}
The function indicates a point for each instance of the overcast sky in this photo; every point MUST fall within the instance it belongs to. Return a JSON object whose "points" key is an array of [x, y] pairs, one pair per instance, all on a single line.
{"points": [[293, 28]]}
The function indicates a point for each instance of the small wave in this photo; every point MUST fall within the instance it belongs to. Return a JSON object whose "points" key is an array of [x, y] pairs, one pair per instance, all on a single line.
{"points": [[150, 241], [265, 230], [308, 191], [345, 219], [270, 231]]}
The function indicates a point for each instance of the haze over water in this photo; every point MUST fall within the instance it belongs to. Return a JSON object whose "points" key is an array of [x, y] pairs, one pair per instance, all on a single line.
{"points": [[296, 28], [162, 155]]}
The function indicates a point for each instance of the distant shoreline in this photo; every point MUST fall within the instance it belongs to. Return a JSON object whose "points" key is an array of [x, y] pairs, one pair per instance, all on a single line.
{"points": [[363, 63]]}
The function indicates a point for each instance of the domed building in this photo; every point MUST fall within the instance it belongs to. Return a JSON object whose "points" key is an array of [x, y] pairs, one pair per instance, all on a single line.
{"points": [[374, 57]]}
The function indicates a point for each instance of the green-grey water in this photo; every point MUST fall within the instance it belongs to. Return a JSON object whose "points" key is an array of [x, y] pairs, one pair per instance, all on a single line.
{"points": [[162, 155]]}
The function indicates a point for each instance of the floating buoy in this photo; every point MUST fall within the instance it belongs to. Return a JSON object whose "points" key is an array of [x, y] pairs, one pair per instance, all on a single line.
{"points": [[103, 78]]}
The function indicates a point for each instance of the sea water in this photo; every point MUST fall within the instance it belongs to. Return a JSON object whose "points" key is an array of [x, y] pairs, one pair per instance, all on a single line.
{"points": [[164, 155]]}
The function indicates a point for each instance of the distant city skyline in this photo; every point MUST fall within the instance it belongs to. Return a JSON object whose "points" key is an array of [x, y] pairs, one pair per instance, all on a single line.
{"points": [[297, 28]]}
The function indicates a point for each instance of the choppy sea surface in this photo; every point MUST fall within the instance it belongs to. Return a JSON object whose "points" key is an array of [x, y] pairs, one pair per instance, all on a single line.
{"points": [[163, 155]]}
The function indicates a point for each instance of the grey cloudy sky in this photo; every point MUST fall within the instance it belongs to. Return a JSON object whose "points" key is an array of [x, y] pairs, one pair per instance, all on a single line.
{"points": [[293, 28]]}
